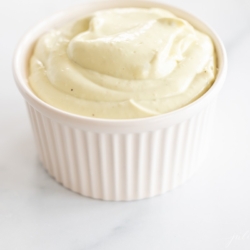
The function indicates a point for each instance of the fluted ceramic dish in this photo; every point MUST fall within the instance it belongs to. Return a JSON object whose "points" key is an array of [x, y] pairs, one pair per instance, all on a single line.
{"points": [[119, 159]]}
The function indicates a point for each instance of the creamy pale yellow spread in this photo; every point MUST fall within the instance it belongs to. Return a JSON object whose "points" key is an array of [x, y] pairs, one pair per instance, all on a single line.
{"points": [[123, 63]]}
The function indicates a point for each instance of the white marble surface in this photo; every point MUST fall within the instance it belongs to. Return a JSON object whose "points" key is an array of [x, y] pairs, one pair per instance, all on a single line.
{"points": [[211, 211]]}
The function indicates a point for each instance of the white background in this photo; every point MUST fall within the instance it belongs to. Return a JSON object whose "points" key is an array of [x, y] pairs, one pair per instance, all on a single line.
{"points": [[210, 212]]}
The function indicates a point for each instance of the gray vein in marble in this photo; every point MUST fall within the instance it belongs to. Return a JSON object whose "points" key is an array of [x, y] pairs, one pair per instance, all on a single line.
{"points": [[112, 233]]}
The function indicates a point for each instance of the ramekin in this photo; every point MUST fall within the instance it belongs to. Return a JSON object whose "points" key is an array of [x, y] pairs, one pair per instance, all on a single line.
{"points": [[119, 160]]}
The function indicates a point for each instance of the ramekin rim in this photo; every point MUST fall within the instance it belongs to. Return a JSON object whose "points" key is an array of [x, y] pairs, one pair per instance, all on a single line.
{"points": [[28, 93]]}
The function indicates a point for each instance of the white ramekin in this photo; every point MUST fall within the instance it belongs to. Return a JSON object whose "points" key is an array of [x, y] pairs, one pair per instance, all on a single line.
{"points": [[119, 159]]}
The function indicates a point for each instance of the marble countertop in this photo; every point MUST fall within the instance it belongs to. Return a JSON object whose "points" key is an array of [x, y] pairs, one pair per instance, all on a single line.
{"points": [[211, 211]]}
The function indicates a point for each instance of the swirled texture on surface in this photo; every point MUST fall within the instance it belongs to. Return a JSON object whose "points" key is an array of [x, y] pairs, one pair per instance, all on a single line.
{"points": [[123, 63]]}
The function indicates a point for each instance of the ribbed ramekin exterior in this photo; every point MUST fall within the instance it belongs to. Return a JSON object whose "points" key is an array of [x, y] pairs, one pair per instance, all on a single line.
{"points": [[119, 160], [122, 166]]}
